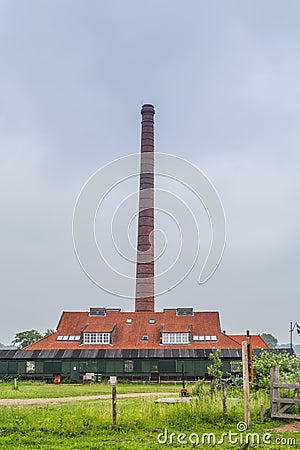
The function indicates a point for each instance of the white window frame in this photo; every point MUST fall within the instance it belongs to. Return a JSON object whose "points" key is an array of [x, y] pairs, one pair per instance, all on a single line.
{"points": [[65, 337], [205, 338], [96, 338], [175, 338]]}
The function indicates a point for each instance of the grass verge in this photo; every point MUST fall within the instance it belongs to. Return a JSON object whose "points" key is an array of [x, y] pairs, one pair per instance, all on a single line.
{"points": [[87, 425], [35, 389]]}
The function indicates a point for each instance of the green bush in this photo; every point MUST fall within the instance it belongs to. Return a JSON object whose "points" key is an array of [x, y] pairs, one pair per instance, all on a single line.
{"points": [[200, 389], [289, 368]]}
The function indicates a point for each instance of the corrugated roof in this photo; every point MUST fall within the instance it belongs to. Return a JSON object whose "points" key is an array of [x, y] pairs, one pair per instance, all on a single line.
{"points": [[122, 354]]}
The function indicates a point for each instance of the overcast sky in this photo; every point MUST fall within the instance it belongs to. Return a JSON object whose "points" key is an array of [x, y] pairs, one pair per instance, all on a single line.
{"points": [[224, 79]]}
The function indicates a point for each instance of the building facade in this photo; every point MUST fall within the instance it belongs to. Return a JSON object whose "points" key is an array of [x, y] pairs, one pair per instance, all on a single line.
{"points": [[131, 345], [144, 344]]}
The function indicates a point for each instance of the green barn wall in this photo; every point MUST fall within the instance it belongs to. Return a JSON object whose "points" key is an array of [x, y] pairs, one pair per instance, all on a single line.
{"points": [[76, 368]]}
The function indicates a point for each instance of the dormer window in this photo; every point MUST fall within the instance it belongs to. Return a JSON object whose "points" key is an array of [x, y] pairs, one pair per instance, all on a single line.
{"points": [[184, 312], [175, 338], [145, 338], [97, 312], [96, 338], [128, 320], [152, 321]]}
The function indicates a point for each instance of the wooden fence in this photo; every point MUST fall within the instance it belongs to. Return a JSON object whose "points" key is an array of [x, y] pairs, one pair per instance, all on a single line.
{"points": [[279, 405]]}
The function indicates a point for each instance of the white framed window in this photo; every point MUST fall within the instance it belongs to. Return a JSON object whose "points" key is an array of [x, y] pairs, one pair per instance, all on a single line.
{"points": [[128, 365], [68, 338], [205, 338], [175, 338], [30, 366], [96, 338], [74, 338], [129, 320]]}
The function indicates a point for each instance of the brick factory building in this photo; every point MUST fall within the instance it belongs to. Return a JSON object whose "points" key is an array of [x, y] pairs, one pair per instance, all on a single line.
{"points": [[144, 344]]}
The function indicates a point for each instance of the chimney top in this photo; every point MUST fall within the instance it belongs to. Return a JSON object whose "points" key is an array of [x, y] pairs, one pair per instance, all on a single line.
{"points": [[148, 106], [147, 113]]}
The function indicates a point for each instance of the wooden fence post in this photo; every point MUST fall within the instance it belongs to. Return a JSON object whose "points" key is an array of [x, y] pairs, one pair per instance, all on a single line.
{"points": [[114, 406], [274, 391], [224, 397], [262, 413], [247, 417]]}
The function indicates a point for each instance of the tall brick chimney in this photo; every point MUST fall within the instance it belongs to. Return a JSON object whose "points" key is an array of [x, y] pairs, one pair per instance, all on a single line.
{"points": [[144, 296]]}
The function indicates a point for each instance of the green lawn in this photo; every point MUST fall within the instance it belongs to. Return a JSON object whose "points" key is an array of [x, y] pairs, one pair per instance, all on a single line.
{"points": [[87, 425], [35, 389]]}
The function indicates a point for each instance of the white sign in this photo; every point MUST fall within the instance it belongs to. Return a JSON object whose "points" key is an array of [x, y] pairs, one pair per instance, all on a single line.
{"points": [[113, 381]]}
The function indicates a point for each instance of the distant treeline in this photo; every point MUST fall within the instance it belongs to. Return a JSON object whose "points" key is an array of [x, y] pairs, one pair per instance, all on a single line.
{"points": [[7, 347], [295, 347]]}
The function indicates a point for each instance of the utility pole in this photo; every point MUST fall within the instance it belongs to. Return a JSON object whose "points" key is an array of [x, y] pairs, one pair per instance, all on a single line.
{"points": [[292, 327]]}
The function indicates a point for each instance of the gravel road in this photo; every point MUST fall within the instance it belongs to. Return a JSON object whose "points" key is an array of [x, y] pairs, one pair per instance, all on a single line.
{"points": [[46, 401]]}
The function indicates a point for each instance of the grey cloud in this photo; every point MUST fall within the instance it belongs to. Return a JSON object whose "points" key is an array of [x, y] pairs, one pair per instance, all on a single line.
{"points": [[224, 80]]}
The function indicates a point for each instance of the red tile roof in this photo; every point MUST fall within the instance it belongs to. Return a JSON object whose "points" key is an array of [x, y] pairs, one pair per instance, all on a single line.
{"points": [[94, 328], [255, 339], [174, 327], [129, 335]]}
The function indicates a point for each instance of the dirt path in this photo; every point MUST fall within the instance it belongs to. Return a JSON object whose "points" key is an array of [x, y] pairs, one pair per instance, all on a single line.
{"points": [[288, 427], [45, 401]]}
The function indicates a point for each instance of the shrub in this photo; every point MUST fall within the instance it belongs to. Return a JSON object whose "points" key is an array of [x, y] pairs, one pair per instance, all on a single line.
{"points": [[289, 367], [200, 389]]}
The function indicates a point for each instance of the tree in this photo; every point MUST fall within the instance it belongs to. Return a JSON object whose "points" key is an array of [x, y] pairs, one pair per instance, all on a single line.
{"points": [[270, 340], [24, 338], [289, 367], [48, 331], [214, 369]]}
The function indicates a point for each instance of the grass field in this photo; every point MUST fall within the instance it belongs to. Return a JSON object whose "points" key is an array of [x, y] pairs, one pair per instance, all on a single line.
{"points": [[87, 424], [35, 389]]}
